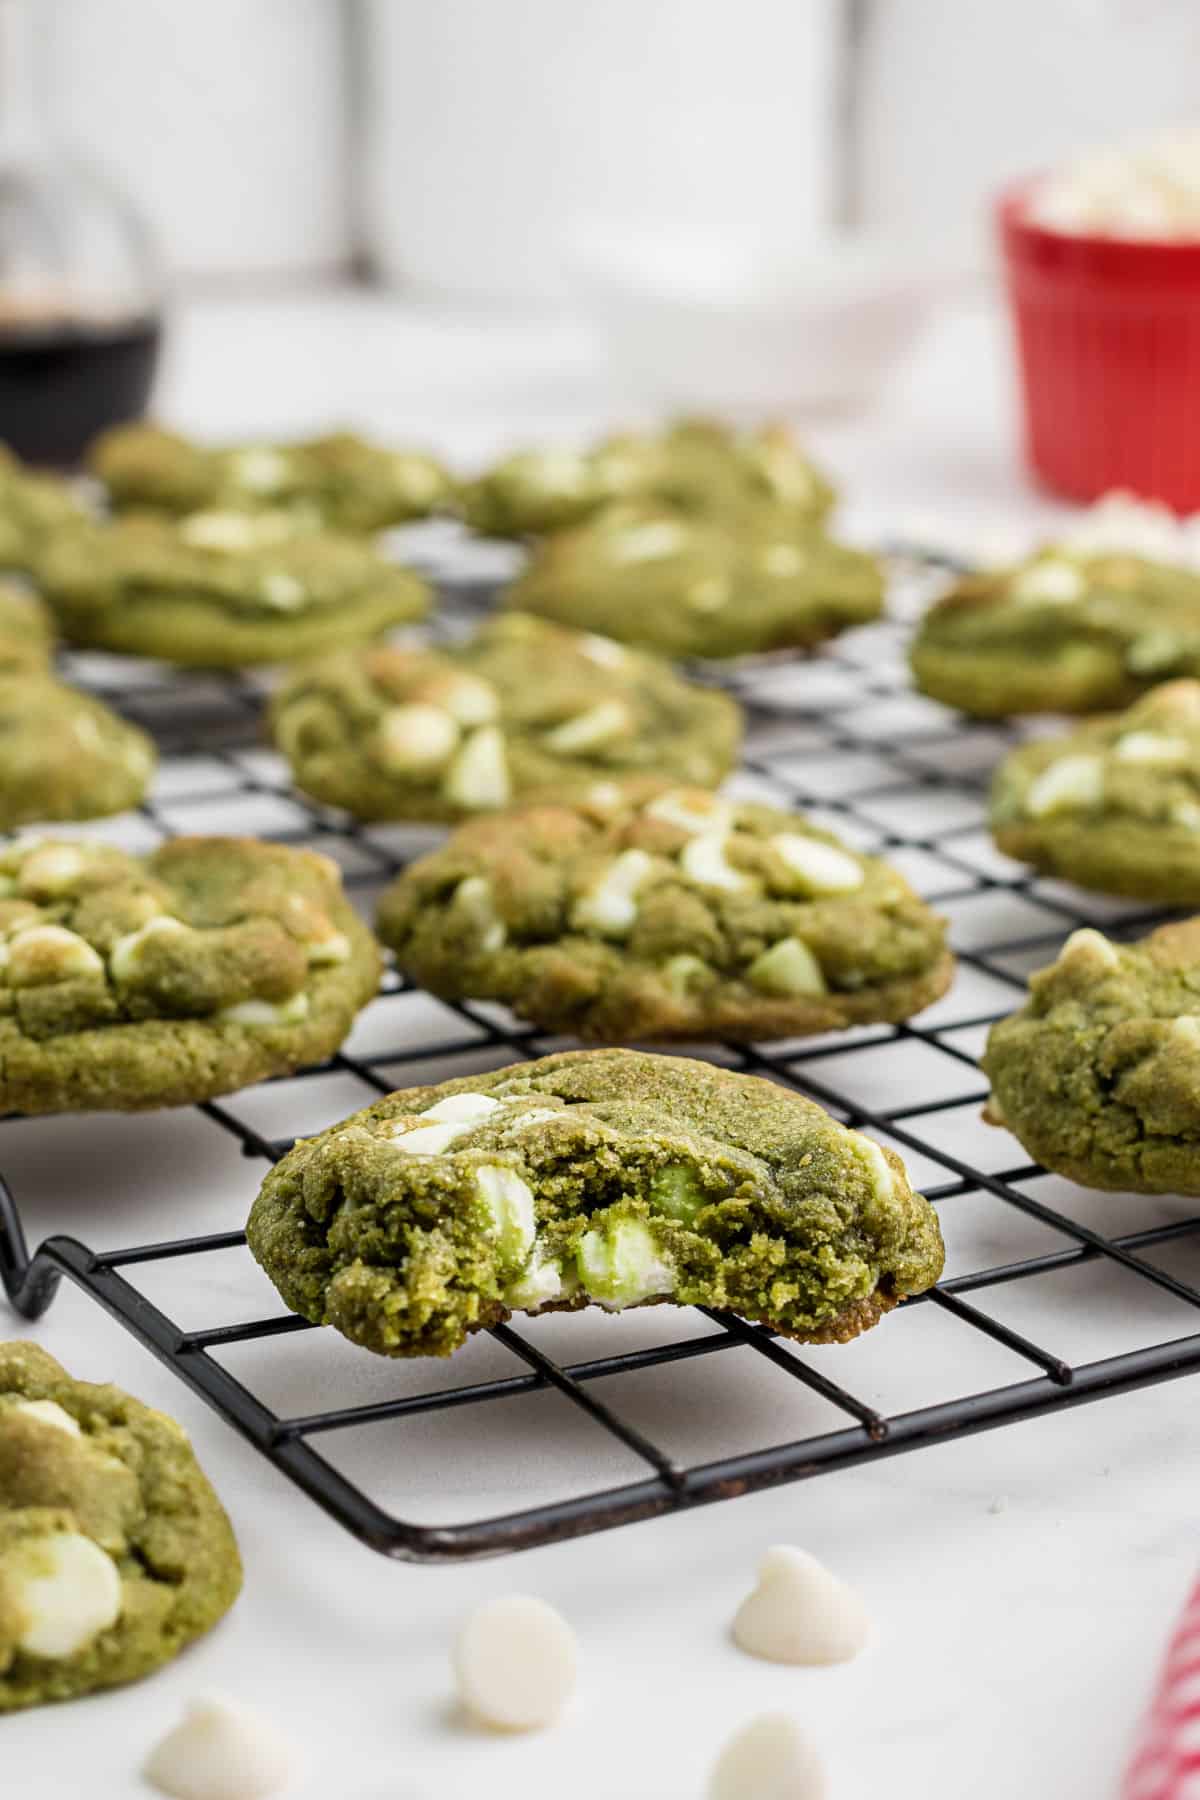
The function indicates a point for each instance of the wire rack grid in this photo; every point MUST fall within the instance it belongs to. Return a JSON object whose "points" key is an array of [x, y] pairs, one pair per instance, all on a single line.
{"points": [[1052, 1296]]}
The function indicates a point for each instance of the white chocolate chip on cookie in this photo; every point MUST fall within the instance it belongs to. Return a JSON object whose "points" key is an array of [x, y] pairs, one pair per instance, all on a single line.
{"points": [[610, 906], [588, 730], [821, 867], [478, 777], [416, 736], [64, 1589], [50, 953]]}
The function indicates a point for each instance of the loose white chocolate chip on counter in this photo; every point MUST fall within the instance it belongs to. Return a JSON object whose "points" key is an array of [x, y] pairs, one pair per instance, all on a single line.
{"points": [[514, 1663], [221, 1750], [769, 1759], [64, 1589], [800, 1613]]}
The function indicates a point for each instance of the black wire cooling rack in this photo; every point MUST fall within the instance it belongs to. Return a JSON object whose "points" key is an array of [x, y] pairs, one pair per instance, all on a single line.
{"points": [[842, 737]]}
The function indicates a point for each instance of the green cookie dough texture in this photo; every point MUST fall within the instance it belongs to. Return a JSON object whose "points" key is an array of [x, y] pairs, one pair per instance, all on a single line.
{"points": [[1098, 1075], [26, 631], [649, 574], [695, 464], [1115, 805], [1065, 631], [64, 755], [598, 1175], [130, 982], [340, 480], [33, 508], [523, 709], [218, 590], [689, 916], [114, 1550]]}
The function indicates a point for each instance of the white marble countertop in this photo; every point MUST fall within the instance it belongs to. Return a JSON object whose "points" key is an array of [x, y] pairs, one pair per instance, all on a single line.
{"points": [[1023, 1581]]}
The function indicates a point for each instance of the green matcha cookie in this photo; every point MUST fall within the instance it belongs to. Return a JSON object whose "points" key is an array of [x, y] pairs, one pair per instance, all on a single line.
{"points": [[1098, 1075], [26, 633], [114, 1550], [690, 916], [130, 982], [695, 464], [599, 1175], [33, 507], [1114, 805], [522, 709], [649, 574], [220, 590], [64, 755], [1066, 631], [340, 480]]}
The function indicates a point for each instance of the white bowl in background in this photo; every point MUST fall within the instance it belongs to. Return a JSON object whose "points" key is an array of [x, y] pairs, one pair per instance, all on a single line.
{"points": [[718, 321]]}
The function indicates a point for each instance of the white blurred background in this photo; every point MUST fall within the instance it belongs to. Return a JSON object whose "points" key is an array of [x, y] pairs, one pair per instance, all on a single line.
{"points": [[481, 148]]}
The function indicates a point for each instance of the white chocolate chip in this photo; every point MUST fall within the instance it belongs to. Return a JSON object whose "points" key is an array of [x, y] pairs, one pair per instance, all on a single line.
{"points": [[50, 953], [470, 700], [65, 1589], [540, 1281], [709, 594], [463, 1106], [645, 543], [604, 796], [602, 650], [1050, 579], [821, 867], [800, 1613], [259, 469], [621, 1265], [454, 1117], [787, 967], [282, 591], [509, 1204], [322, 952], [1185, 813], [703, 861], [599, 725], [514, 1663], [265, 1012], [50, 869], [1186, 1028], [1091, 947], [474, 896], [692, 811], [769, 1759], [415, 737], [234, 530], [534, 1115], [883, 1178], [48, 1412], [125, 955], [1152, 747], [478, 776], [1072, 784], [782, 559], [610, 906], [221, 1751]]}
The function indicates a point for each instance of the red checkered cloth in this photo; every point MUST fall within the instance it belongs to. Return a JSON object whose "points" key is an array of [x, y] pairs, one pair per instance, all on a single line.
{"points": [[1166, 1765]]}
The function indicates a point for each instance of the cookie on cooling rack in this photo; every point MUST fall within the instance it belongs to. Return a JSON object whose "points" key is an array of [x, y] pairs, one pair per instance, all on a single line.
{"points": [[696, 464], [339, 480], [64, 755], [130, 982], [604, 1176], [1065, 631], [1098, 1075], [26, 631], [685, 916], [522, 709], [219, 590], [114, 1550], [33, 507], [650, 574], [1113, 805]]}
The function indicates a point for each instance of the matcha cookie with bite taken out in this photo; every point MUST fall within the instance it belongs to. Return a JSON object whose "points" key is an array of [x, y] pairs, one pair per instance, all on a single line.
{"points": [[220, 590], [340, 480], [695, 464], [596, 1176], [64, 755], [1098, 1075], [682, 915], [114, 1551], [130, 981], [1113, 805], [524, 709], [650, 574], [1067, 630]]}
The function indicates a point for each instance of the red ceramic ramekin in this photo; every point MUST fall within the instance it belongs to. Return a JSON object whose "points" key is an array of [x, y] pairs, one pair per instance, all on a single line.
{"points": [[1108, 337]]}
